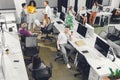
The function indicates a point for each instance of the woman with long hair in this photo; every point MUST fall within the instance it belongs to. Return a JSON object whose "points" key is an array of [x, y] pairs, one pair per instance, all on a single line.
{"points": [[32, 13], [46, 21], [36, 64], [93, 13]]}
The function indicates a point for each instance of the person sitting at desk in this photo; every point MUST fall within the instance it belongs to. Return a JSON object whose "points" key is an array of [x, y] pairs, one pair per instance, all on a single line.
{"points": [[116, 12], [37, 64], [83, 15], [23, 30], [62, 45], [115, 15], [93, 13], [46, 22]]}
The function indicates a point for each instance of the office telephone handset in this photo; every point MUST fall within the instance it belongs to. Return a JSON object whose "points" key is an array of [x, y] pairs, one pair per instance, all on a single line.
{"points": [[111, 54]]}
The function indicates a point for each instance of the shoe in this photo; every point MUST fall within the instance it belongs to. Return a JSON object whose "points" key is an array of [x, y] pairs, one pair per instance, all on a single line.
{"points": [[68, 66]]}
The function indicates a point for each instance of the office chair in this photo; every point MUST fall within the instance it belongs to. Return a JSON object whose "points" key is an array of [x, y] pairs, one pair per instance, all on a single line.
{"points": [[47, 30], [31, 48], [43, 74], [103, 34], [113, 35], [83, 67], [59, 56]]}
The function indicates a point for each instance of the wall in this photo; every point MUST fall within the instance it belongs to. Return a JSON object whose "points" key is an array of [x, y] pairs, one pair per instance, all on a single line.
{"points": [[81, 3], [40, 3], [7, 4], [115, 3], [18, 8]]}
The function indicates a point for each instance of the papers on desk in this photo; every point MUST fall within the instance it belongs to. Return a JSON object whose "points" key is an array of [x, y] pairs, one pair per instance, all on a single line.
{"points": [[80, 43]]}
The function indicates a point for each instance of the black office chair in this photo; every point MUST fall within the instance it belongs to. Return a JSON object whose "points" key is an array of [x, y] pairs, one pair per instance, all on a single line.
{"points": [[31, 48], [113, 34], [83, 67], [43, 74], [48, 30], [59, 56]]}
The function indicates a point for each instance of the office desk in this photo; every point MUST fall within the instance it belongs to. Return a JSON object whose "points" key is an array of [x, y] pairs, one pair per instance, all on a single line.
{"points": [[13, 70], [94, 57], [9, 17]]}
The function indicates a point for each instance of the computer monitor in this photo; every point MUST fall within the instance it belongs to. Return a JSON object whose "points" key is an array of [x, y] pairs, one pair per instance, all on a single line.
{"points": [[62, 16], [102, 46], [100, 8], [90, 30], [82, 30]]}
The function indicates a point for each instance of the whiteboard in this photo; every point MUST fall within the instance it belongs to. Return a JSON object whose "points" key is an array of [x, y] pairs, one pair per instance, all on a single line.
{"points": [[40, 3], [7, 4]]}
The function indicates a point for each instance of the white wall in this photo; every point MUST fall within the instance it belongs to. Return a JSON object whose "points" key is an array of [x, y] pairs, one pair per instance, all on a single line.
{"points": [[115, 3], [81, 3], [18, 8], [71, 2]]}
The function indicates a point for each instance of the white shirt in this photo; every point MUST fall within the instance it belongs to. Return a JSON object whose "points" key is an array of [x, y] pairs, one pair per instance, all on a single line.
{"points": [[83, 12], [63, 38], [48, 11], [94, 9]]}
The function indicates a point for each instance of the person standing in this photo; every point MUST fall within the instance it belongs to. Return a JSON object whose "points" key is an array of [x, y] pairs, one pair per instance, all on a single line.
{"points": [[48, 10], [94, 13], [32, 13], [24, 13]]}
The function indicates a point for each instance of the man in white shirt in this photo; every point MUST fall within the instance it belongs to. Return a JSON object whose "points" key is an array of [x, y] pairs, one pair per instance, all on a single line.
{"points": [[62, 44], [48, 10]]}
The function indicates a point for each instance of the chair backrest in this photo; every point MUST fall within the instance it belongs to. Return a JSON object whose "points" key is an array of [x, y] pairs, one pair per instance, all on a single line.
{"points": [[50, 26], [42, 74], [111, 29], [31, 41], [103, 34]]}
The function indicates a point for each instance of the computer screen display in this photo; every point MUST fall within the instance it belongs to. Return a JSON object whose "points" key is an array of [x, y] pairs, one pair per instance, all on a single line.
{"points": [[82, 30], [100, 8], [62, 16], [101, 46]]}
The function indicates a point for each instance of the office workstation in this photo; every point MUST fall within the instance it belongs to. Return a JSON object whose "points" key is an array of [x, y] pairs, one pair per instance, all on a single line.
{"points": [[60, 40]]}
